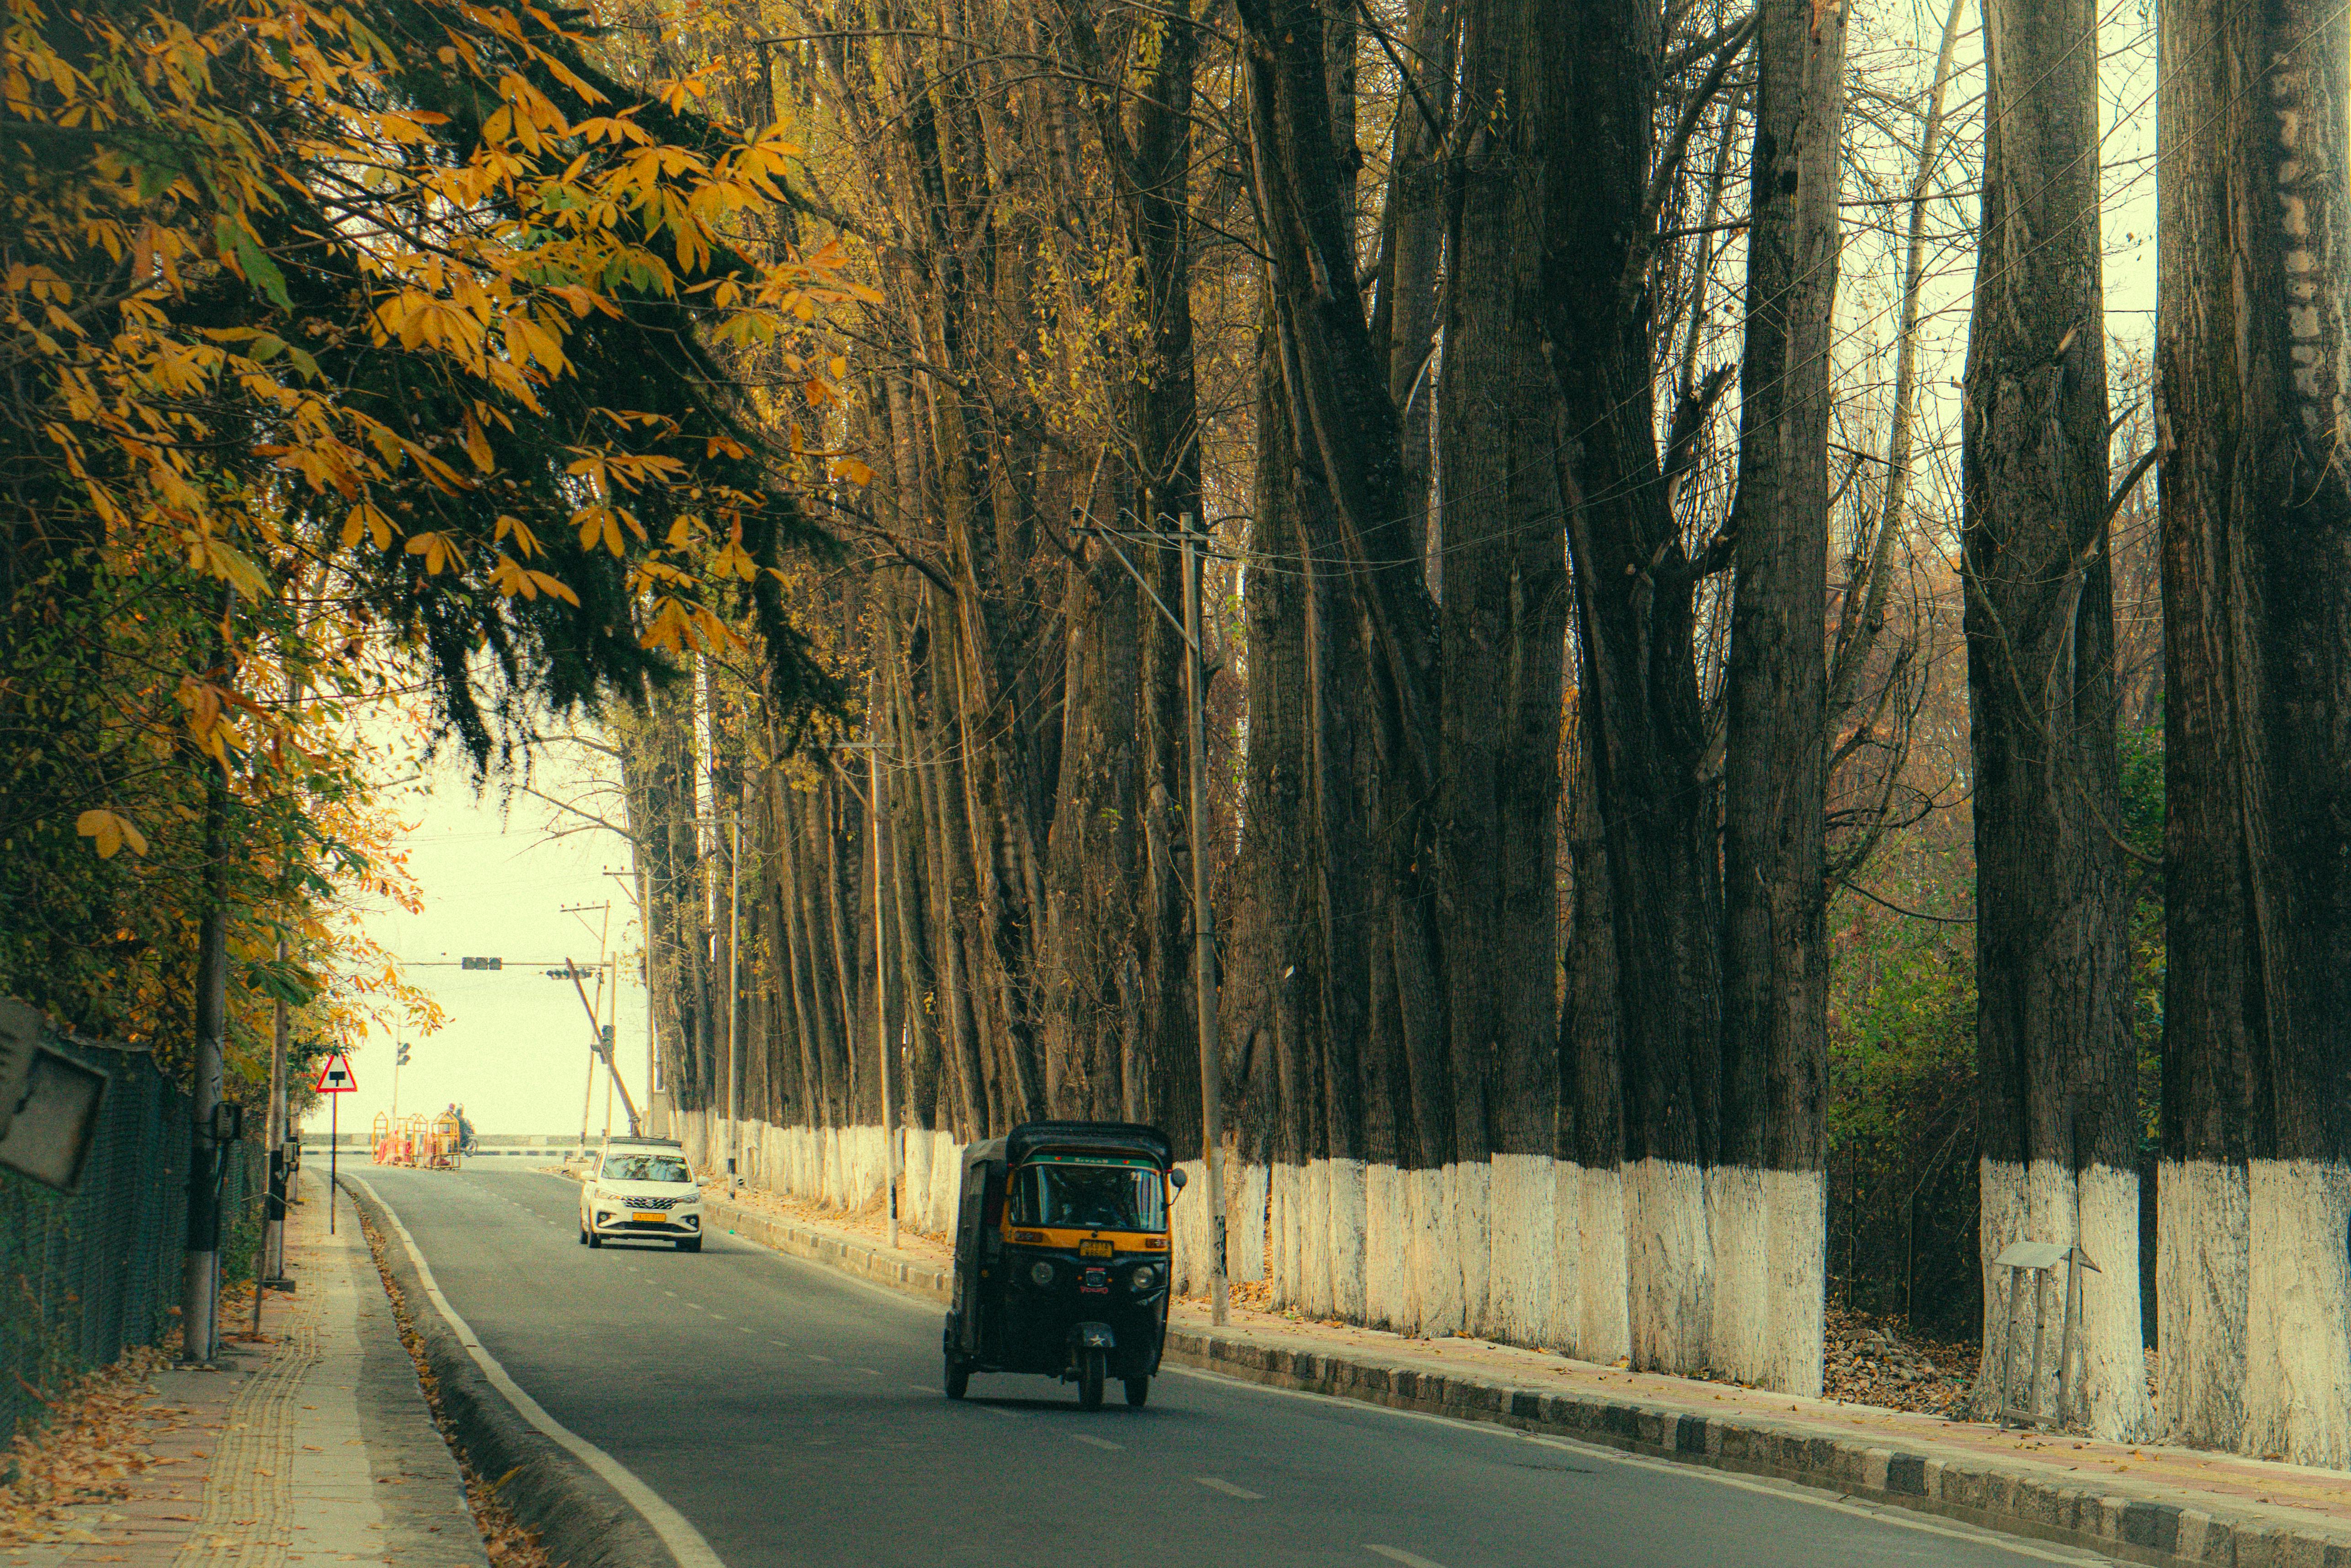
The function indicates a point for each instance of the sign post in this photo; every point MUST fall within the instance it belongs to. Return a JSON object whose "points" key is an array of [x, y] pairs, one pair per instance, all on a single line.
{"points": [[334, 1079]]}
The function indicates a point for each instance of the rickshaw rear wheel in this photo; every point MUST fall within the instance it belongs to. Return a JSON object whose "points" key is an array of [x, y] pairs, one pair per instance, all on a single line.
{"points": [[1089, 1380], [958, 1379], [1138, 1390]]}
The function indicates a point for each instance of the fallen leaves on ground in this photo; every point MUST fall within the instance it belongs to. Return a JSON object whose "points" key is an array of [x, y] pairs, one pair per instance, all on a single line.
{"points": [[94, 1442], [1874, 1360], [506, 1541]]}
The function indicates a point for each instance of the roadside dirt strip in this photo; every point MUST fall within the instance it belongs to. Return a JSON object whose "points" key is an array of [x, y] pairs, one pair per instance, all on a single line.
{"points": [[2128, 1518], [586, 1510]]}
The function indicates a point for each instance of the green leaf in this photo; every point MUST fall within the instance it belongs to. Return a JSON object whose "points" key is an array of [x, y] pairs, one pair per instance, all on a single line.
{"points": [[253, 263]]}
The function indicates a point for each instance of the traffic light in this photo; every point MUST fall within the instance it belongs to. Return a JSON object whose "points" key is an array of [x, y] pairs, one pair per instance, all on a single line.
{"points": [[481, 963], [401, 1059]]}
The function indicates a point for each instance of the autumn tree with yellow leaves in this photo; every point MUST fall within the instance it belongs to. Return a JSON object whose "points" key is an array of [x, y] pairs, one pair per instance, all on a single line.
{"points": [[353, 353]]}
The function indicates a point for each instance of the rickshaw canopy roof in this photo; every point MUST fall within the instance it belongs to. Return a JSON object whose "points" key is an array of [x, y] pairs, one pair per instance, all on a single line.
{"points": [[1130, 1138]]}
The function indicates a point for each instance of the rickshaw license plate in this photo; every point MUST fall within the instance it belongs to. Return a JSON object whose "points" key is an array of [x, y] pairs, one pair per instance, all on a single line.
{"points": [[1095, 1249]]}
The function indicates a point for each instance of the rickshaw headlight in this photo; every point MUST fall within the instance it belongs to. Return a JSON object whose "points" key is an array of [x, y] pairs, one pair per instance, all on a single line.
{"points": [[1143, 1279], [1042, 1273]]}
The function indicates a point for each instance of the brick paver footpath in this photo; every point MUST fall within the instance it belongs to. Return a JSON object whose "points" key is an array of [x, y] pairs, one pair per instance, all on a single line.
{"points": [[317, 1449]]}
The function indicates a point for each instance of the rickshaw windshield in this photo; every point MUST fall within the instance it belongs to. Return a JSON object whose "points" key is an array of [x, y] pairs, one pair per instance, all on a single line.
{"points": [[1089, 1197]]}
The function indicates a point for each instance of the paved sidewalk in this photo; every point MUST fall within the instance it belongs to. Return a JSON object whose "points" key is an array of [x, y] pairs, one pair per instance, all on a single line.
{"points": [[317, 1449]]}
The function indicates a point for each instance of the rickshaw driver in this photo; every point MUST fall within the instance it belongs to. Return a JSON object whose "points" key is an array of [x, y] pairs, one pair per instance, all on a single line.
{"points": [[1088, 1198]]}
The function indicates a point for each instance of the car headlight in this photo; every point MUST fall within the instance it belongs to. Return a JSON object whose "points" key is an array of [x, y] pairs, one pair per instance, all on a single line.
{"points": [[1143, 1279], [1041, 1273], [603, 1217]]}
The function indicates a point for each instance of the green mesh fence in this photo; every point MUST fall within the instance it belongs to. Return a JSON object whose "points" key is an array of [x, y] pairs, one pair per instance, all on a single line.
{"points": [[85, 1277]]}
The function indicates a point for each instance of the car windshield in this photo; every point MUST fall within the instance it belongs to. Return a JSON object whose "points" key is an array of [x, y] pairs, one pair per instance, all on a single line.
{"points": [[645, 1167], [1091, 1197]]}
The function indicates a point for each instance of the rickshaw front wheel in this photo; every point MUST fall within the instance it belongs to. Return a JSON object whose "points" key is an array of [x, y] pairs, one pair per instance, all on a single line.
{"points": [[1089, 1380], [958, 1379], [1138, 1389]]}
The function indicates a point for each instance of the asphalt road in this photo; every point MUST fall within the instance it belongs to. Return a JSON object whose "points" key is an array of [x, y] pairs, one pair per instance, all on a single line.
{"points": [[794, 1417]]}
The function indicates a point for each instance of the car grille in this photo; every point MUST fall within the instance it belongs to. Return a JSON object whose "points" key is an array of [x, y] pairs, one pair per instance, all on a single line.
{"points": [[653, 1202]]}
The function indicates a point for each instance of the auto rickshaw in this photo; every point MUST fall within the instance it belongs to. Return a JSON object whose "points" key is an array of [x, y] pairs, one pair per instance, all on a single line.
{"points": [[1061, 1257]]}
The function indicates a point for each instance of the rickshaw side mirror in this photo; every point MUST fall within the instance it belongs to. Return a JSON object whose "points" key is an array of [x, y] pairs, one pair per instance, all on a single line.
{"points": [[1175, 1178]]}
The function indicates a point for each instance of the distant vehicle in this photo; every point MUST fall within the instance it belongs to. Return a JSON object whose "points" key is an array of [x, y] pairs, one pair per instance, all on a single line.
{"points": [[641, 1189], [1061, 1257]]}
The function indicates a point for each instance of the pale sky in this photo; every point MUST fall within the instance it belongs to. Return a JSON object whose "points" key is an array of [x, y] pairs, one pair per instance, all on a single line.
{"points": [[514, 1048]]}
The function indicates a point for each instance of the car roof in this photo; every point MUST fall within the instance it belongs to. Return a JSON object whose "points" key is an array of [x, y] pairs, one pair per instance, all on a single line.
{"points": [[644, 1143]]}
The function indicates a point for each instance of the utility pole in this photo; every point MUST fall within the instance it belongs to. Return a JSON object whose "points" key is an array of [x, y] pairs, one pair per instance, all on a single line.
{"points": [[200, 1269], [271, 1273], [1204, 942]]}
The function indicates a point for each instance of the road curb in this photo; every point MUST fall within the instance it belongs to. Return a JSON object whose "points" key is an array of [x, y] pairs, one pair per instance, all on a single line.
{"points": [[849, 1257], [580, 1517], [2134, 1522], [2139, 1524]]}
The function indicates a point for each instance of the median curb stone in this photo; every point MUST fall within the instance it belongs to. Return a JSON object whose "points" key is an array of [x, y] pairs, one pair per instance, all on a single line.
{"points": [[580, 1520], [2135, 1523]]}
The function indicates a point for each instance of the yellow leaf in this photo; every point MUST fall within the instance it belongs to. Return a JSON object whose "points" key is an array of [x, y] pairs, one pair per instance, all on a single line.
{"points": [[852, 470], [112, 830]]}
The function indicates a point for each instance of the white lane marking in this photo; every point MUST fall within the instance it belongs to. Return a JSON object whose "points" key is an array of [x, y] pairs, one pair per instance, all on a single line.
{"points": [[813, 1356], [670, 1294], [866, 1369], [1398, 1555], [740, 1330], [1008, 1415], [1787, 1491], [1792, 1492], [684, 1542], [1215, 1483], [785, 1342], [922, 1388], [1097, 1442], [718, 1317]]}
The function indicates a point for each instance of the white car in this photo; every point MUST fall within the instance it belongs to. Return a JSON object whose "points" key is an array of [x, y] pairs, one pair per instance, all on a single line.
{"points": [[641, 1189]]}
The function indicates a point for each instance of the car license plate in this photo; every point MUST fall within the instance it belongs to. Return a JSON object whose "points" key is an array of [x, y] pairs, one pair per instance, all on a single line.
{"points": [[1095, 1249], [648, 1219]]}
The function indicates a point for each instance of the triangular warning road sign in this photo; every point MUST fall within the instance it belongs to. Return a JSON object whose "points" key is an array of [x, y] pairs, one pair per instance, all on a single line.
{"points": [[337, 1077]]}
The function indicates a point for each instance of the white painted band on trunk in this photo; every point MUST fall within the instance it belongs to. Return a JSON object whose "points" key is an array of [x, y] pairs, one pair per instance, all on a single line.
{"points": [[1738, 1228], [2298, 1313], [1669, 1265], [1314, 1240], [2203, 1232], [2112, 1399], [1384, 1244], [1795, 1332], [1349, 1218], [1562, 1328], [684, 1542], [1520, 1207], [1605, 1334]]}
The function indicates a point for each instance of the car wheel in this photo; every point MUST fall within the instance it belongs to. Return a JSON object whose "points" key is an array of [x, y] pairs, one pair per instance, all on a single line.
{"points": [[958, 1379], [1089, 1380], [594, 1239], [693, 1246], [1138, 1391], [583, 1236]]}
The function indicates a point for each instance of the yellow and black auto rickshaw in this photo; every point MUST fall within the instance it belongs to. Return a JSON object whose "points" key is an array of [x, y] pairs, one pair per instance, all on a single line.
{"points": [[1061, 1257]]}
